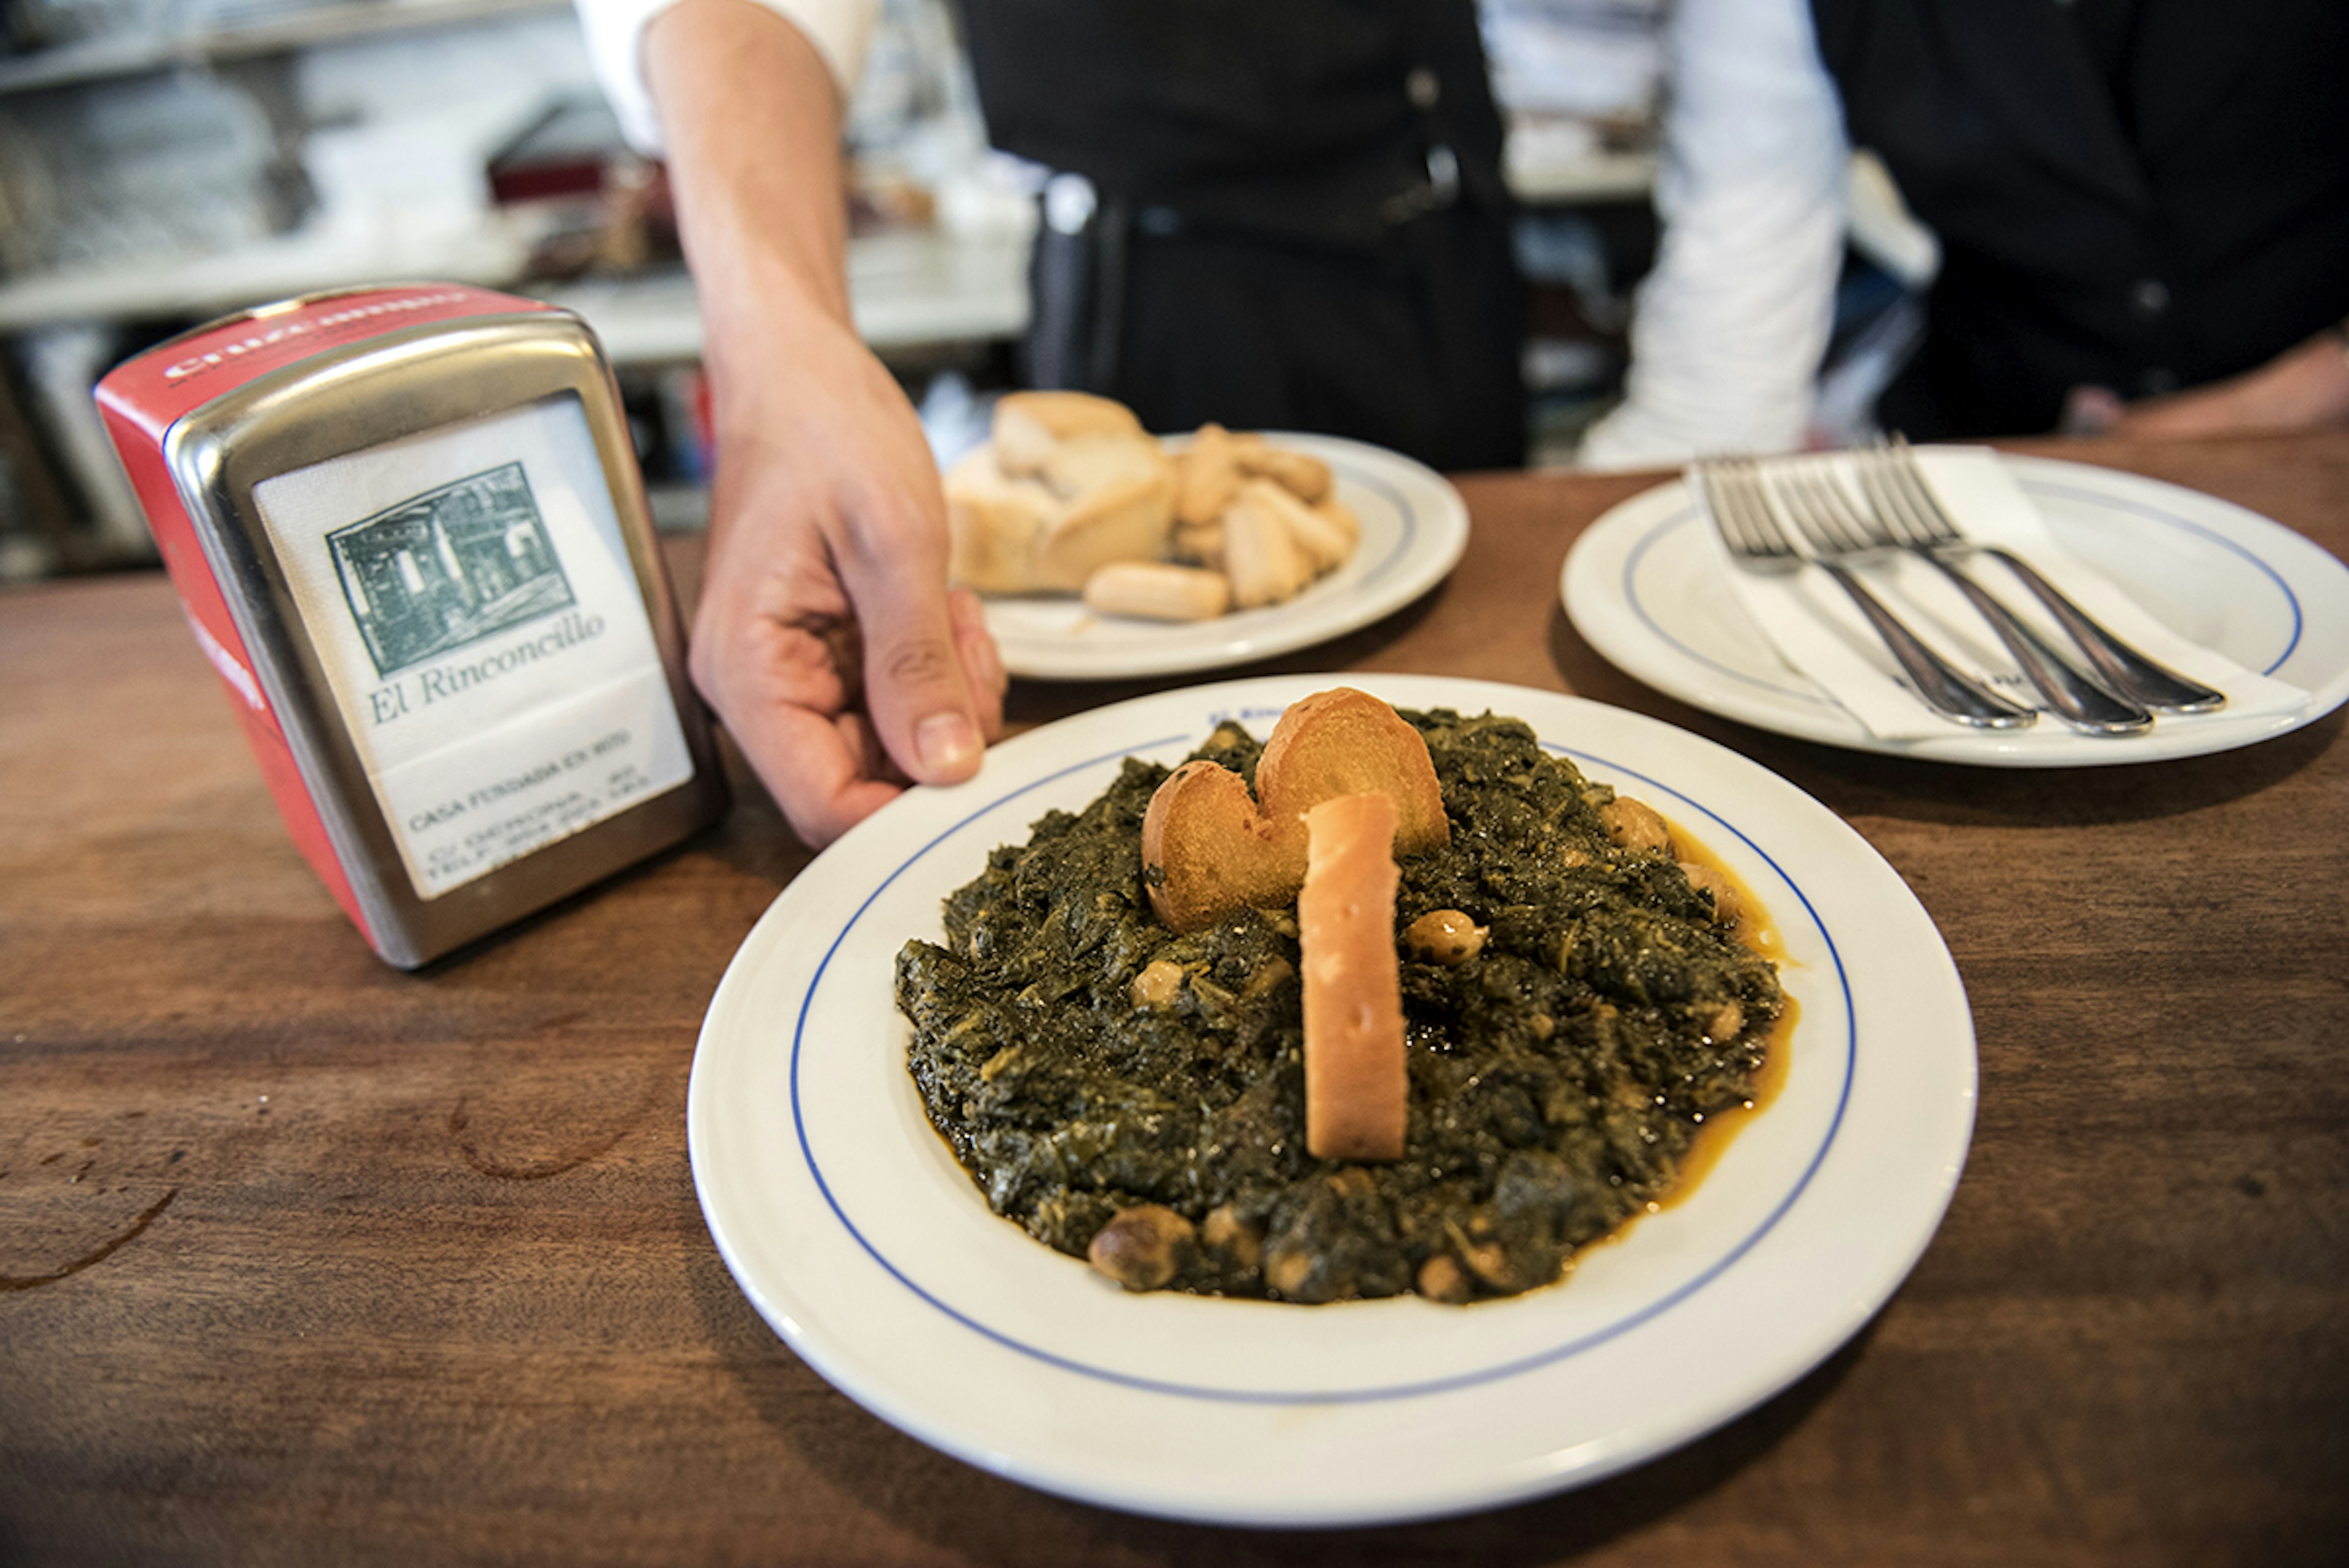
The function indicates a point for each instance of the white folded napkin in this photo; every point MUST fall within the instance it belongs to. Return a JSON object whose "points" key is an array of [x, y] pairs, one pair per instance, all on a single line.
{"points": [[1820, 631]]}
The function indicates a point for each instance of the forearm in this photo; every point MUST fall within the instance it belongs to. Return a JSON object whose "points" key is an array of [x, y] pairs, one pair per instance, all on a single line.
{"points": [[751, 118], [1731, 321], [2304, 388]]}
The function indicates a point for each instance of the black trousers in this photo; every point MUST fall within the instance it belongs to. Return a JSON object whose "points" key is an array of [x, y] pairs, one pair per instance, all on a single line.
{"points": [[1414, 343]]}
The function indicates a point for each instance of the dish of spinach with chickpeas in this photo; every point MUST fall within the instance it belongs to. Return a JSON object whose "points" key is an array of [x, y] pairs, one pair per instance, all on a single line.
{"points": [[1579, 998]]}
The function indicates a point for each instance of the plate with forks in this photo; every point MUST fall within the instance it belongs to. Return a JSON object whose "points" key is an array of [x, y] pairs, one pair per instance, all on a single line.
{"points": [[1650, 587]]}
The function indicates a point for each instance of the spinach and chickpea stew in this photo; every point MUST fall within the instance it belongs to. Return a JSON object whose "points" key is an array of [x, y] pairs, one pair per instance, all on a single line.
{"points": [[1577, 1003]]}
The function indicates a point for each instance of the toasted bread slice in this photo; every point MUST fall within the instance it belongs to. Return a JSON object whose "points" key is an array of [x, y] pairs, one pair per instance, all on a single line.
{"points": [[1357, 1082], [1344, 742], [1205, 852], [1028, 425], [1209, 849]]}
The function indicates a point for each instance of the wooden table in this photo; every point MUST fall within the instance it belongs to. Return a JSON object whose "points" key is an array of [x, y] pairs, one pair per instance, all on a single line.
{"points": [[303, 1261]]}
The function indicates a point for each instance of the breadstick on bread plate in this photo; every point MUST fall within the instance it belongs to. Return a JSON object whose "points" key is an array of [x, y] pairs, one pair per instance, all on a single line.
{"points": [[1318, 537], [1303, 475], [1261, 556], [1155, 590], [1211, 476], [1357, 1083]]}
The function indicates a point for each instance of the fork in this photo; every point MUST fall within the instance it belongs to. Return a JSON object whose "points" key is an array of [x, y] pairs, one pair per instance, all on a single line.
{"points": [[1895, 486], [1825, 514], [1746, 521]]}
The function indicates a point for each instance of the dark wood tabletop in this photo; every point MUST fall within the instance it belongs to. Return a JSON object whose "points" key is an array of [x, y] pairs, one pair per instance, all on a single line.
{"points": [[304, 1260]]}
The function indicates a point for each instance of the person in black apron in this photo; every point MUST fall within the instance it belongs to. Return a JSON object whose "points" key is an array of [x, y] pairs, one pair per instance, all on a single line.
{"points": [[2133, 196], [1276, 216]]}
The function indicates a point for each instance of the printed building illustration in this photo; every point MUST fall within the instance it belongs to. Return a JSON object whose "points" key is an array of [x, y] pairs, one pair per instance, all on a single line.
{"points": [[448, 567]]}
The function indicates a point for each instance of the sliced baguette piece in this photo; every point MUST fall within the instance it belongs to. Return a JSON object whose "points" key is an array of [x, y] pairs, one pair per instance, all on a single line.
{"points": [[1155, 590], [1028, 425], [1205, 852], [1345, 742], [1209, 849], [1357, 1081]]}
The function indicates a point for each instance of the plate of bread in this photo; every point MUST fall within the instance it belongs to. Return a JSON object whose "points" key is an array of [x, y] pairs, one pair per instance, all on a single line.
{"points": [[1104, 552], [848, 1223]]}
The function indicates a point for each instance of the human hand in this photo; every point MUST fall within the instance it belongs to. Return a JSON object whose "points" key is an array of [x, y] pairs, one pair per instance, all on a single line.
{"points": [[2304, 388], [826, 638]]}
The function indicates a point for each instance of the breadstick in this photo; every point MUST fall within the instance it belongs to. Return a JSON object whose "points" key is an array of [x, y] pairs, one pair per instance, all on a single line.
{"points": [[1154, 591], [1357, 1083]]}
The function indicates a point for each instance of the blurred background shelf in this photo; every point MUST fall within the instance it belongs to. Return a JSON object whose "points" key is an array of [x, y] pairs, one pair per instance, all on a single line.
{"points": [[166, 162], [271, 30]]}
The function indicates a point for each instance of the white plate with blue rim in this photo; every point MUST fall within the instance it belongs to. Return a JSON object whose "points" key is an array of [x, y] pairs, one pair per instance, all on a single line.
{"points": [[849, 1225], [1644, 587], [1414, 527]]}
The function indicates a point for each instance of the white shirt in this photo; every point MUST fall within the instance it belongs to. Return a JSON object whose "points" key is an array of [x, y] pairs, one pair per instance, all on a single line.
{"points": [[838, 28], [1731, 326]]}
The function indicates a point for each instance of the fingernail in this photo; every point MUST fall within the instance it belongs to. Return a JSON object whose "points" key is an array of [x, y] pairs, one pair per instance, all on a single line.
{"points": [[948, 745]]}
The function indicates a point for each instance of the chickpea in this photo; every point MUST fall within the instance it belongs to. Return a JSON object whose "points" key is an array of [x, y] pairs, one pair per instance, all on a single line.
{"points": [[1442, 1279], [1705, 879], [1489, 1261], [1635, 827], [1444, 936], [1727, 1022], [1158, 984], [1287, 1270], [1225, 1232], [1141, 1248]]}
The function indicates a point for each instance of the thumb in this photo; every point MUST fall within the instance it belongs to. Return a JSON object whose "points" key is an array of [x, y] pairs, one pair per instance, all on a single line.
{"points": [[916, 691]]}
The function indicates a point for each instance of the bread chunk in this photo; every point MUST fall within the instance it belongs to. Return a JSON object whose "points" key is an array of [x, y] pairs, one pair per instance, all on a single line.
{"points": [[1028, 425]]}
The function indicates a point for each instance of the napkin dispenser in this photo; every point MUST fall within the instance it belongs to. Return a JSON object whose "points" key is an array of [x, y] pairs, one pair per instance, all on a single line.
{"points": [[408, 532]]}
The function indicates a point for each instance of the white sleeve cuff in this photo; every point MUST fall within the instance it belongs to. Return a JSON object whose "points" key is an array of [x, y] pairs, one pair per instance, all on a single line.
{"points": [[1731, 323], [839, 29]]}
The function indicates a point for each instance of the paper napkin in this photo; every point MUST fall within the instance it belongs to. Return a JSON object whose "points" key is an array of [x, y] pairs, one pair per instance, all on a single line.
{"points": [[1820, 631]]}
